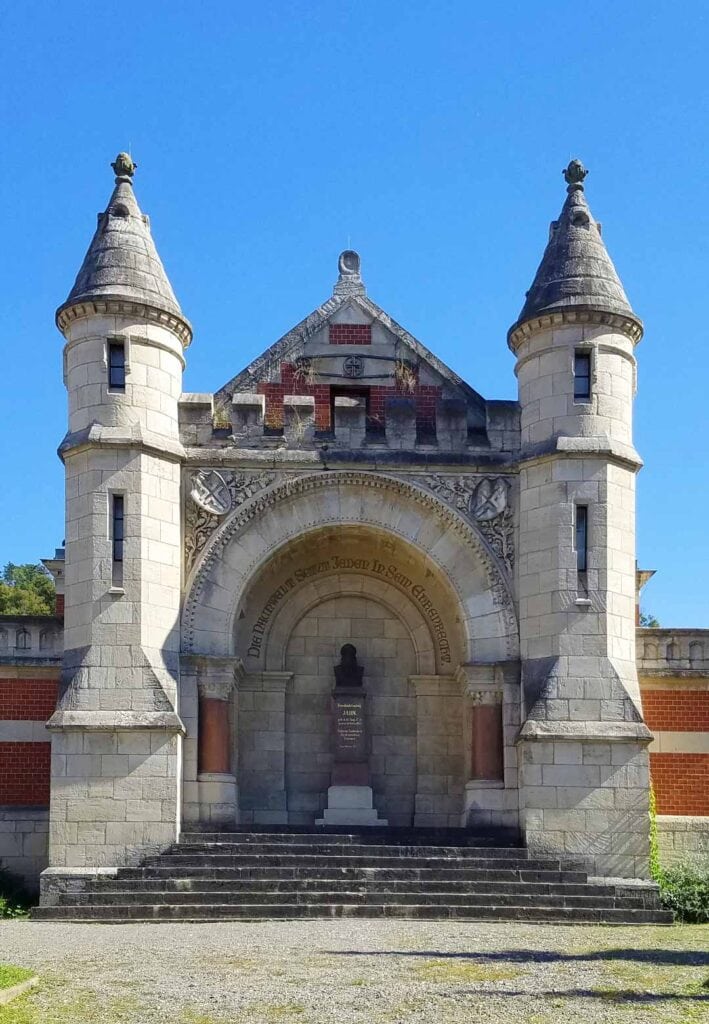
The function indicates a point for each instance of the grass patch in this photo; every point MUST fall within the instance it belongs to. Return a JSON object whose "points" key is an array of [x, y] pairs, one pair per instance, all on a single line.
{"points": [[11, 975], [439, 971]]}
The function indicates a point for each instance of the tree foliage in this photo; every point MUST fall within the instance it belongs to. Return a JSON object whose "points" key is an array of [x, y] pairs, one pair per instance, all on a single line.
{"points": [[648, 620], [26, 590]]}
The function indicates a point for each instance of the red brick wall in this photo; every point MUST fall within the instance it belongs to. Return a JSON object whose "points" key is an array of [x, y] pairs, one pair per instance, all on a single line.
{"points": [[27, 700], [677, 710], [681, 783], [59, 605], [350, 334], [24, 773]]}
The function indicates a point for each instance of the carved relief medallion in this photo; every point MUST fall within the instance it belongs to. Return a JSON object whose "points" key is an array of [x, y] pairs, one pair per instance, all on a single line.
{"points": [[486, 502], [489, 499], [224, 491], [209, 491], [353, 366]]}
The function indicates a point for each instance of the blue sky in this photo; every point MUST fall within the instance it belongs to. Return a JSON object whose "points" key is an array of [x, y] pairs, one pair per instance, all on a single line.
{"points": [[429, 136]]}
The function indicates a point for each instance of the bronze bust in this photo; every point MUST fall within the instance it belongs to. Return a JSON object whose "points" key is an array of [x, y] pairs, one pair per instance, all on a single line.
{"points": [[348, 672]]}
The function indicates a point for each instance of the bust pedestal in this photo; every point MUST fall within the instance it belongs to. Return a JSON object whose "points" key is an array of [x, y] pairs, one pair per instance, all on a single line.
{"points": [[349, 798]]}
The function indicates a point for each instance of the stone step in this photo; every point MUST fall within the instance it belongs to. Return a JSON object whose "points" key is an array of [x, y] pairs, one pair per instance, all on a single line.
{"points": [[481, 899], [351, 849], [305, 885], [360, 872], [505, 838], [260, 911], [345, 860]]}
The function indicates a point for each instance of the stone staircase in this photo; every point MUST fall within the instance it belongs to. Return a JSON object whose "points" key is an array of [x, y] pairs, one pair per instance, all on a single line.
{"points": [[406, 873]]}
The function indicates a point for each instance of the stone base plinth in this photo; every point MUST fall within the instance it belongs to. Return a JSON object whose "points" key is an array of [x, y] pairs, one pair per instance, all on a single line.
{"points": [[218, 798], [350, 805]]}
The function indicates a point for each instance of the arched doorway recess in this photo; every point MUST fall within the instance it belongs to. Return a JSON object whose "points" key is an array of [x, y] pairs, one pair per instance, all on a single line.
{"points": [[336, 558]]}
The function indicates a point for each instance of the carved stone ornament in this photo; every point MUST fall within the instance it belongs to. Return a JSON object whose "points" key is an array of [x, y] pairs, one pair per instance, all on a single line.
{"points": [[486, 503], [450, 505], [353, 366], [201, 522], [489, 499], [209, 491]]}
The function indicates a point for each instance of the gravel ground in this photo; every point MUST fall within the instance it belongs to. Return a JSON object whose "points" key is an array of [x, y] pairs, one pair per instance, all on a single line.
{"points": [[360, 971]]}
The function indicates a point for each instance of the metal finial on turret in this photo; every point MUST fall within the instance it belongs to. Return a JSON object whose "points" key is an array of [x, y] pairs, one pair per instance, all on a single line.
{"points": [[574, 175], [124, 168]]}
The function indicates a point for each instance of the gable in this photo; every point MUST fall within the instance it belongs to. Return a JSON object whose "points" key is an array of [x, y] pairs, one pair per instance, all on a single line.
{"points": [[349, 345]]}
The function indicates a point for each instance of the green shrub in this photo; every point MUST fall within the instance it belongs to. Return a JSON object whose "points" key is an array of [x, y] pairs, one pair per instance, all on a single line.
{"points": [[15, 901], [684, 889]]}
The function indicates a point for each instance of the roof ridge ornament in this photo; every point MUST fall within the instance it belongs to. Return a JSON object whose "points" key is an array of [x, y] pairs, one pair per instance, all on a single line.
{"points": [[124, 168], [574, 175], [349, 281]]}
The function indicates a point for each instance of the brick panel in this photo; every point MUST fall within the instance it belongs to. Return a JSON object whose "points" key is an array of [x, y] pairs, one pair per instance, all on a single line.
{"points": [[59, 605], [350, 334], [27, 700], [681, 783], [24, 773], [676, 710]]}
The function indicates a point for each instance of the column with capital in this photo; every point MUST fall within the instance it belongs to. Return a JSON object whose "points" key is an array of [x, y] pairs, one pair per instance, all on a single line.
{"points": [[218, 791]]}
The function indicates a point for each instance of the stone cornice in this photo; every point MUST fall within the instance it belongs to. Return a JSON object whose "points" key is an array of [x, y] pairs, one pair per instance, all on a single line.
{"points": [[574, 315], [119, 306], [98, 436], [116, 721], [600, 446], [590, 732], [359, 458]]}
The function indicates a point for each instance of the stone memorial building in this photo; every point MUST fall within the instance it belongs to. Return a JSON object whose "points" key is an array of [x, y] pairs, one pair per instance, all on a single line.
{"points": [[347, 502]]}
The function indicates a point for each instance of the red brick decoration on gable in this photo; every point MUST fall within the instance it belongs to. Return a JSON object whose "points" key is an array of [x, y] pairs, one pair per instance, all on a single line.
{"points": [[676, 710], [681, 783], [291, 383], [350, 334], [27, 700], [24, 774]]}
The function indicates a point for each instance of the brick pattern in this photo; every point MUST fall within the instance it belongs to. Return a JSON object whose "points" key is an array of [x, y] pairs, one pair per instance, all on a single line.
{"points": [[350, 334], [677, 710], [681, 783], [424, 395], [27, 700], [24, 774], [59, 605]]}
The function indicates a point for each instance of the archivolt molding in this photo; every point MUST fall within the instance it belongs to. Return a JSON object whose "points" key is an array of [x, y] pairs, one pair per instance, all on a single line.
{"points": [[258, 506], [309, 596]]}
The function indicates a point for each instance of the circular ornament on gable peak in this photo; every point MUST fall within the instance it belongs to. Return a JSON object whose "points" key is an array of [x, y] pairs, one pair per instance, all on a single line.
{"points": [[210, 491]]}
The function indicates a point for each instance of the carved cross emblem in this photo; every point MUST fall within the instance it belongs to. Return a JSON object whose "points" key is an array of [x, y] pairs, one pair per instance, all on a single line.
{"points": [[489, 499], [353, 366], [210, 492]]}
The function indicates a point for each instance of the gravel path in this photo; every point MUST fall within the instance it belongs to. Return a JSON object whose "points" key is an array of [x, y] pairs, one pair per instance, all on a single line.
{"points": [[355, 972]]}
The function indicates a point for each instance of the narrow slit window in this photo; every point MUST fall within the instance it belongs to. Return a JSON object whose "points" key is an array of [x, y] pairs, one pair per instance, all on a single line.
{"points": [[581, 538], [117, 537], [116, 365], [582, 376]]}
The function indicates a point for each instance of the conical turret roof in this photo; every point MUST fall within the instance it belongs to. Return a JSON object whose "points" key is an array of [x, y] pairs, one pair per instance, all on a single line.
{"points": [[576, 272], [122, 261]]}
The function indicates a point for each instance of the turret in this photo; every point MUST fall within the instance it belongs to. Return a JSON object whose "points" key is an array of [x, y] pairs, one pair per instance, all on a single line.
{"points": [[574, 343], [123, 361]]}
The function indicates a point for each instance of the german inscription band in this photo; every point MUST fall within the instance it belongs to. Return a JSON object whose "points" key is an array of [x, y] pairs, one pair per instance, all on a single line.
{"points": [[370, 566]]}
